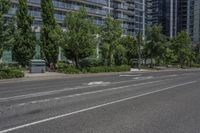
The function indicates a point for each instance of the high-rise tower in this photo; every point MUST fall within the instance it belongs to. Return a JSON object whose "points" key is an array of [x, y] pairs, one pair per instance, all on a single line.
{"points": [[164, 13], [193, 19], [130, 12]]}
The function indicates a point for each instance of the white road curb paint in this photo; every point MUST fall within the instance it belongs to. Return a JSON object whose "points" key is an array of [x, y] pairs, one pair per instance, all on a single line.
{"points": [[65, 89], [92, 108]]}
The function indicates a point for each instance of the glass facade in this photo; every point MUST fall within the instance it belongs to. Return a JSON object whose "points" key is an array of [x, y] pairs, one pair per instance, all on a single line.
{"points": [[163, 12], [154, 12], [130, 12], [193, 20], [182, 15]]}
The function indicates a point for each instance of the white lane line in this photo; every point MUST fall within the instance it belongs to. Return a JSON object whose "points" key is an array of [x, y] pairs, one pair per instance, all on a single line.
{"points": [[148, 77], [41, 93], [91, 108], [129, 75], [65, 89], [86, 93], [173, 75]]}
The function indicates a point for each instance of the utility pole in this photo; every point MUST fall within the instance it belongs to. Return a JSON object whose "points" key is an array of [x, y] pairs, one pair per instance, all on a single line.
{"points": [[109, 7], [140, 37], [139, 41], [139, 49]]}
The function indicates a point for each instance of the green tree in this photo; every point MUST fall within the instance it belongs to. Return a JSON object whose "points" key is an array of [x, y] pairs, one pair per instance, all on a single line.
{"points": [[182, 46], [49, 33], [139, 42], [169, 55], [104, 53], [111, 33], [129, 43], [79, 37], [25, 40], [155, 43], [197, 53], [4, 7], [120, 55]]}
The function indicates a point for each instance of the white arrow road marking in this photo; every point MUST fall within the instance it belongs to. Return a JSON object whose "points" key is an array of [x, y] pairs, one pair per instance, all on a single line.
{"points": [[87, 93], [98, 83], [67, 89]]}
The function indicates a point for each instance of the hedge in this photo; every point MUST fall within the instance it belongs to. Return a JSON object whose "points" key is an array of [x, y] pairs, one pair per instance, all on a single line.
{"points": [[7, 73], [68, 70], [98, 69]]}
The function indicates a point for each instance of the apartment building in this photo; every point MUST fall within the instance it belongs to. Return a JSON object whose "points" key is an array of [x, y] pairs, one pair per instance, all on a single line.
{"points": [[193, 19], [130, 12], [164, 13]]}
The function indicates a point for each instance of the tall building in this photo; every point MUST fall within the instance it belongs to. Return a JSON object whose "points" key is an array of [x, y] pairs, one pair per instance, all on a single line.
{"points": [[153, 12], [164, 13], [182, 15], [193, 18], [130, 12]]}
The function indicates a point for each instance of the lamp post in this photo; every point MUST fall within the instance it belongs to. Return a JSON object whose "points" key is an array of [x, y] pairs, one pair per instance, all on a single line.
{"points": [[139, 49], [140, 37], [109, 7]]}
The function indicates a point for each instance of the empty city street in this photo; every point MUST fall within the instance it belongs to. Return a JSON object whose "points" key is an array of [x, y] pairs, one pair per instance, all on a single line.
{"points": [[134, 102]]}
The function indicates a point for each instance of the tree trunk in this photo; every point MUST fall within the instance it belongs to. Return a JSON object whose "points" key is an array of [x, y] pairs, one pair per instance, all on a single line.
{"points": [[145, 61], [110, 56], [190, 63], [76, 59], [151, 66], [181, 63], [158, 62]]}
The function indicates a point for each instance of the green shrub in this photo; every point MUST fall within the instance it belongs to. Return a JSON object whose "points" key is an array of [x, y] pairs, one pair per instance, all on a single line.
{"points": [[68, 70], [3, 74], [60, 65], [89, 62], [7, 73], [9, 65], [100, 69], [71, 69], [196, 65]]}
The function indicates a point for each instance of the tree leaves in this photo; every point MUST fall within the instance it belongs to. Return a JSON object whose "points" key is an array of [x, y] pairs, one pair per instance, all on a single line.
{"points": [[51, 34], [24, 37], [79, 36], [182, 46], [4, 28], [111, 33]]}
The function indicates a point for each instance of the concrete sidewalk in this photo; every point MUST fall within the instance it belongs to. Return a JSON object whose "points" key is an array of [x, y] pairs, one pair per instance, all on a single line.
{"points": [[56, 75], [35, 77], [46, 74], [53, 75]]}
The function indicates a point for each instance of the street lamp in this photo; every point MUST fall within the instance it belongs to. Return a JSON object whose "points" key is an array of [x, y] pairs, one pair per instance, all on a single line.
{"points": [[109, 6], [140, 38], [139, 49]]}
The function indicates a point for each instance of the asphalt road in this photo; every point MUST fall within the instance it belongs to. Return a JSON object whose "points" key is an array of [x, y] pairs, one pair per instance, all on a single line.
{"points": [[148, 102]]}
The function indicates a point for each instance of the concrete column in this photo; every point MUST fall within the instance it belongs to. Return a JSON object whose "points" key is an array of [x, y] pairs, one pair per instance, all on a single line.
{"points": [[60, 54], [143, 32], [171, 18]]}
